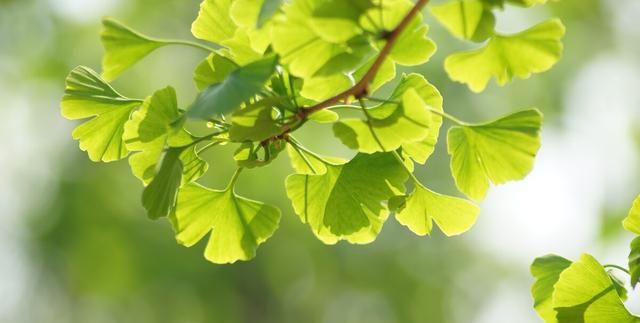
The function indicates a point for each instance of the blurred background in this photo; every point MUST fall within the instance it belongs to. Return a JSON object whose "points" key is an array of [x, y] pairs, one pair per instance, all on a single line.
{"points": [[76, 246]]}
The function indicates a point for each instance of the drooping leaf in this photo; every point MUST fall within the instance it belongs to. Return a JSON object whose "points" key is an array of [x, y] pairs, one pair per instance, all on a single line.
{"points": [[585, 293], [295, 40], [86, 96], [124, 47], [495, 152], [546, 270], [390, 124], [255, 123], [423, 206], [236, 225], [150, 130], [632, 222], [213, 70], [240, 86], [159, 197], [466, 19], [634, 262], [504, 57], [348, 201]]}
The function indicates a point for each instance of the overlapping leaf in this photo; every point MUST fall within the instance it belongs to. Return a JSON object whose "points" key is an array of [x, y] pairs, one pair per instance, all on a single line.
{"points": [[467, 19], [585, 293], [238, 87], [347, 202], [504, 57], [89, 96], [406, 118], [632, 222], [546, 270], [150, 130], [237, 226], [496, 152], [213, 70]]}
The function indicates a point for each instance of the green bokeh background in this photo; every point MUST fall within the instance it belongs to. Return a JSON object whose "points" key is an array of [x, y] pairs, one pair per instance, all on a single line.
{"points": [[89, 254]]}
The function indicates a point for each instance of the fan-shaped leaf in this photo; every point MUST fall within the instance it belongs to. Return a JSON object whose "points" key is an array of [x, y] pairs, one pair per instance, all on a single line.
{"points": [[546, 270]]}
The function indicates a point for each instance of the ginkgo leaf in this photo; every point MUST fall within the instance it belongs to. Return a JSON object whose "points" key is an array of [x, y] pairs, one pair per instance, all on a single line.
{"points": [[495, 152], [390, 125], [240, 86], [423, 206], [213, 70], [385, 74], [632, 222], [337, 21], [236, 225], [86, 96], [585, 293], [546, 270], [252, 155], [466, 19], [255, 123], [634, 262], [348, 201], [305, 163], [296, 41], [322, 88], [124, 47], [504, 57], [159, 197], [268, 9], [214, 22], [149, 132], [324, 116]]}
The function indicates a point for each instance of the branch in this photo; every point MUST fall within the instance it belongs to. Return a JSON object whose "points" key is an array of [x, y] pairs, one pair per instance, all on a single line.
{"points": [[360, 89]]}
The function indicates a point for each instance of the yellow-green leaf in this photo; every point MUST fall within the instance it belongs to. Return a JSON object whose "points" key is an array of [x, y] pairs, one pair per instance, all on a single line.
{"points": [[632, 221], [466, 19]]}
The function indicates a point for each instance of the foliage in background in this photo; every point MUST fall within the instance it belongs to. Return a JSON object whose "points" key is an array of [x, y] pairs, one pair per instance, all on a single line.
{"points": [[584, 290]]}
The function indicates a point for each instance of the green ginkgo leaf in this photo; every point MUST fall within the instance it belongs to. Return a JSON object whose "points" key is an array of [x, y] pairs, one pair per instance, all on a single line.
{"points": [[214, 22], [390, 125], [348, 202], [86, 96], [504, 57], [337, 21], [239, 86], [496, 152], [322, 88], [296, 41], [268, 9], [586, 293], [159, 197], [150, 130], [386, 73], [466, 19], [255, 123], [632, 222], [423, 206], [634, 262], [213, 70], [124, 47], [237, 226], [546, 270]]}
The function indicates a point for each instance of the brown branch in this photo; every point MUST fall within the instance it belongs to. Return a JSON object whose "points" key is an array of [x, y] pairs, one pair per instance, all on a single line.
{"points": [[360, 89]]}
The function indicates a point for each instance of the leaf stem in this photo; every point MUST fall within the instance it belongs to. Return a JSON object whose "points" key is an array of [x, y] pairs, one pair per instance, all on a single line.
{"points": [[617, 267], [370, 124], [188, 43], [234, 179], [402, 162]]}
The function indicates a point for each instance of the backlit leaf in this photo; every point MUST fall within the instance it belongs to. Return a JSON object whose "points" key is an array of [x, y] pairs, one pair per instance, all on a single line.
{"points": [[504, 57], [89, 96], [213, 70], [546, 270], [632, 222], [254, 123], [159, 197], [495, 152], [348, 201], [236, 225], [466, 19]]}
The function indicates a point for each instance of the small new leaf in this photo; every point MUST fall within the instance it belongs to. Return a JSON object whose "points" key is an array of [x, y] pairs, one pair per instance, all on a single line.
{"points": [[496, 152], [86, 96], [504, 57], [347, 202], [124, 47], [240, 86], [237, 226]]}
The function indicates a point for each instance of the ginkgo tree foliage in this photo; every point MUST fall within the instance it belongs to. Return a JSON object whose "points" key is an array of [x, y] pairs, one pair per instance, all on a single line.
{"points": [[270, 67], [586, 291]]}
